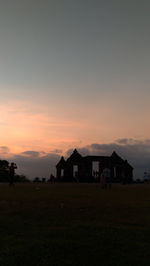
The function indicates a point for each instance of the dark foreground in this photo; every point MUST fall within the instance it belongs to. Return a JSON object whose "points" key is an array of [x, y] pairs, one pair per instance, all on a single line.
{"points": [[74, 224]]}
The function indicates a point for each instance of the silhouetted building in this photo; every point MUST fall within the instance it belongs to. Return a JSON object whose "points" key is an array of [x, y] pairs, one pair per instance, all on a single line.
{"points": [[89, 168]]}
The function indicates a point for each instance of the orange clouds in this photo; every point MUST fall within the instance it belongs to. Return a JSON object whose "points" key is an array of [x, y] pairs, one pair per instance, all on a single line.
{"points": [[24, 128], [35, 126]]}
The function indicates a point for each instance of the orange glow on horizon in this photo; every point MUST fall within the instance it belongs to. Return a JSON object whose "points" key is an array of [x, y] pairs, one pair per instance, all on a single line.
{"points": [[24, 128]]}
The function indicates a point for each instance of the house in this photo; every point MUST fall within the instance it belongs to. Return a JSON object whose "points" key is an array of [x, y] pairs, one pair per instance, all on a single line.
{"points": [[89, 168]]}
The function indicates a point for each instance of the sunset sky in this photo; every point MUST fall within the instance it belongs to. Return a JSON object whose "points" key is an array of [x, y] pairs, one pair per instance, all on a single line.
{"points": [[73, 73]]}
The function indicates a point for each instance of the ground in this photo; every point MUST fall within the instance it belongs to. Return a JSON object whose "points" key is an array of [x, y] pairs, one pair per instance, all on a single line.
{"points": [[74, 224]]}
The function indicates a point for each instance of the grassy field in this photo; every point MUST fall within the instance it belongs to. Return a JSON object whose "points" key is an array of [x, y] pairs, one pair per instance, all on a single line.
{"points": [[74, 224]]}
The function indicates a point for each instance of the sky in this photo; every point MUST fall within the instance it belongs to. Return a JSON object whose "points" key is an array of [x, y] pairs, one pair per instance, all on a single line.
{"points": [[73, 74]]}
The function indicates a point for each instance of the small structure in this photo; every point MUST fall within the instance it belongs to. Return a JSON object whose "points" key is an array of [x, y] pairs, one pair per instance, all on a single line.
{"points": [[89, 168]]}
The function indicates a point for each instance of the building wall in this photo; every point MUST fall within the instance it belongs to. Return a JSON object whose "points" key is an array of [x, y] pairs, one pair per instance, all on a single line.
{"points": [[120, 171]]}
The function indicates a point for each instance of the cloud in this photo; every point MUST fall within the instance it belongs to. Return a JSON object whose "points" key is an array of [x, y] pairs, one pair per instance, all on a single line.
{"points": [[31, 154], [57, 151], [37, 127], [35, 164]]}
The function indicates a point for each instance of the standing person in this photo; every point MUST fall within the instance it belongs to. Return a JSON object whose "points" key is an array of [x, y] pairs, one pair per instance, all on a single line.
{"points": [[52, 179], [106, 178], [12, 168], [102, 180]]}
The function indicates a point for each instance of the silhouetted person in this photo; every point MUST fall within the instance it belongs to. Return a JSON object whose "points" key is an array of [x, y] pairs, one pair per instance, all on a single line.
{"points": [[12, 168], [102, 179], [52, 178], [106, 178]]}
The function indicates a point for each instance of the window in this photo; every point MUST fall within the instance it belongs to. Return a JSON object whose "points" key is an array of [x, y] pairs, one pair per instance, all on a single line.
{"points": [[95, 169], [75, 170], [62, 172]]}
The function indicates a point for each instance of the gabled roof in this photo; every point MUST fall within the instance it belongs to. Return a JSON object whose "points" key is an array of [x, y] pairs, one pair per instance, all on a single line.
{"points": [[127, 164], [115, 158], [74, 157], [62, 162]]}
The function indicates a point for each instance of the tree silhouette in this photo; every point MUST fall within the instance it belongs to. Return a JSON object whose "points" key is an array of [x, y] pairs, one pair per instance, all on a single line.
{"points": [[4, 171]]}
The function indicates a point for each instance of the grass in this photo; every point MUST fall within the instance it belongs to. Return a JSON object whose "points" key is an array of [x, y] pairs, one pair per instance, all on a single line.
{"points": [[74, 224]]}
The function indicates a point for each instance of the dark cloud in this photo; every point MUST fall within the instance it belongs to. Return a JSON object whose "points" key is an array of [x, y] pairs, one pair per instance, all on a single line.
{"points": [[32, 166], [132, 141], [31, 153], [124, 141]]}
